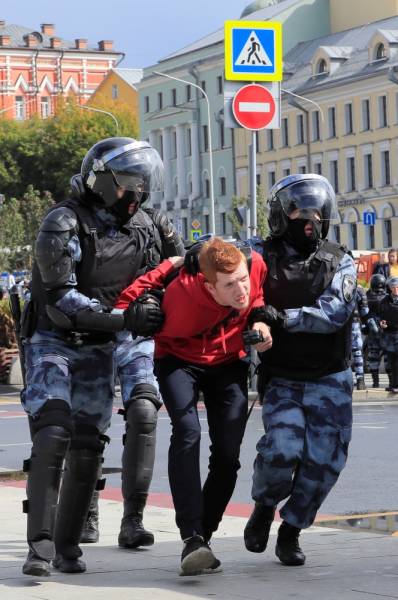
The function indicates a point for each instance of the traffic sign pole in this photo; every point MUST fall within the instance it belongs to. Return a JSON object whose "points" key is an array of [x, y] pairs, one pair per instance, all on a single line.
{"points": [[253, 185]]}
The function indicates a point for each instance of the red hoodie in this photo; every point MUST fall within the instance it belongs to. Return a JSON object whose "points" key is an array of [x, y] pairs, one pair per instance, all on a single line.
{"points": [[196, 328]]}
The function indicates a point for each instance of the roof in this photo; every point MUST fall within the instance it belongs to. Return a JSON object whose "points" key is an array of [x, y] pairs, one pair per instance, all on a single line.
{"points": [[17, 33], [264, 14], [130, 76], [355, 65]]}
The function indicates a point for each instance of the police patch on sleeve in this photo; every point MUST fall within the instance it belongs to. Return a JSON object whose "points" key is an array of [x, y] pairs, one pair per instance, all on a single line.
{"points": [[349, 287]]}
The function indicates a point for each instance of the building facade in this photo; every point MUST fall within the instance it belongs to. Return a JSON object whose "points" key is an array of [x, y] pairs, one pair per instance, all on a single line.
{"points": [[173, 115], [37, 67], [350, 135], [119, 87]]}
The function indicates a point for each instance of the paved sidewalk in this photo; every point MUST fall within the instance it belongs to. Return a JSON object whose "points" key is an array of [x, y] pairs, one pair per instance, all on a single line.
{"points": [[340, 564]]}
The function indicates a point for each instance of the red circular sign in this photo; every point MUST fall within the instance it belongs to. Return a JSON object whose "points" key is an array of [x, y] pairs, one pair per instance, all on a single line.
{"points": [[253, 106]]}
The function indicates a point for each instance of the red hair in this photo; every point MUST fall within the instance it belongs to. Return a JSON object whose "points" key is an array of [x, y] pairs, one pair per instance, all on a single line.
{"points": [[218, 256]]}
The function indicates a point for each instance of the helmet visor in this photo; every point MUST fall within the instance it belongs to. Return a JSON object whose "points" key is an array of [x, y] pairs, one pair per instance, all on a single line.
{"points": [[139, 170], [306, 198]]}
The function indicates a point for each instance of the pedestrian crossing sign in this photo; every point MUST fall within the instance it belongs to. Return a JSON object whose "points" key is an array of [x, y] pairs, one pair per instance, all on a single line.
{"points": [[253, 51]]}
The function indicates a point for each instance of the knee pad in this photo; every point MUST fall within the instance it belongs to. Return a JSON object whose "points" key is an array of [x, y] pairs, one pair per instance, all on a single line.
{"points": [[141, 412], [53, 413], [88, 437]]}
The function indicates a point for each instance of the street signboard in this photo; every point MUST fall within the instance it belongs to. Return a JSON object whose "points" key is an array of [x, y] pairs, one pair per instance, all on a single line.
{"points": [[230, 90], [195, 224], [254, 107], [253, 51], [369, 217], [195, 234]]}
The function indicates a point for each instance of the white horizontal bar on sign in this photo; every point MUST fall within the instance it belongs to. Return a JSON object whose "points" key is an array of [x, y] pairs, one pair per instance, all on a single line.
{"points": [[263, 107]]}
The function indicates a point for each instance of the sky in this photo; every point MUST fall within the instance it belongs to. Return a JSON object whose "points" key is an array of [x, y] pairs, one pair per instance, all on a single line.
{"points": [[145, 30]]}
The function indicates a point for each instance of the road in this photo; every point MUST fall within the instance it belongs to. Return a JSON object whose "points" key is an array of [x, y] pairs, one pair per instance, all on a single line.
{"points": [[368, 483]]}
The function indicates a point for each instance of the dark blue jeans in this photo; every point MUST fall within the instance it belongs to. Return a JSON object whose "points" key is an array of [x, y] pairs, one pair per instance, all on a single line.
{"points": [[224, 390]]}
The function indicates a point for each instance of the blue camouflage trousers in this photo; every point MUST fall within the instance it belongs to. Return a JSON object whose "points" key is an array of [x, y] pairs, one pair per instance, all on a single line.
{"points": [[307, 432], [374, 351], [357, 346], [133, 363], [82, 376]]}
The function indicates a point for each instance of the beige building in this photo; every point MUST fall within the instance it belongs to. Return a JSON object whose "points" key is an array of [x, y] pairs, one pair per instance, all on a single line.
{"points": [[350, 134]]}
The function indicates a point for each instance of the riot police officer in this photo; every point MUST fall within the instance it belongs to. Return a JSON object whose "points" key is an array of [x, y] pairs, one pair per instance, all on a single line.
{"points": [[307, 411], [86, 252], [389, 325], [375, 295]]}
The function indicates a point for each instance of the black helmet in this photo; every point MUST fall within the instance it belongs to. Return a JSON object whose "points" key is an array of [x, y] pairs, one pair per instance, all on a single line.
{"points": [[377, 282], [392, 282], [306, 193], [122, 162]]}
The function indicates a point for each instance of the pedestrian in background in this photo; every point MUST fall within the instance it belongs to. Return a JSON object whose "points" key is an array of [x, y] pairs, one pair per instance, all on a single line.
{"points": [[389, 325]]}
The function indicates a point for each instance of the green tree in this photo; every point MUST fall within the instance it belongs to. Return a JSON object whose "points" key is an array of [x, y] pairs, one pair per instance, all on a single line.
{"points": [[262, 212], [11, 233]]}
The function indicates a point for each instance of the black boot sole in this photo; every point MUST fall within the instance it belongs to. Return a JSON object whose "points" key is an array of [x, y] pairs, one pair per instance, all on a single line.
{"points": [[36, 570], [146, 539], [289, 562]]}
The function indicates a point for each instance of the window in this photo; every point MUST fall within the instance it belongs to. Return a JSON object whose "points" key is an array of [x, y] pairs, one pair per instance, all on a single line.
{"points": [[285, 132], [337, 236], [318, 168], [371, 236], [385, 165], [174, 144], [332, 121], [223, 186], [203, 85], [184, 225], [387, 233], [334, 175], [270, 139], [383, 119], [366, 115], [146, 104], [351, 183], [349, 125], [316, 130], [222, 134], [322, 66], [354, 236], [256, 135], [286, 172], [189, 142], [223, 223], [45, 107], [19, 107], [300, 129], [188, 93], [207, 188], [220, 87], [161, 146], [207, 223], [368, 163], [174, 97], [302, 169], [271, 178], [160, 101], [205, 138], [380, 52], [115, 91], [258, 178]]}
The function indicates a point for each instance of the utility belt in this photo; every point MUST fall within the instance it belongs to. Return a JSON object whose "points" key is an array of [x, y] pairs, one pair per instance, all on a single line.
{"points": [[33, 320]]}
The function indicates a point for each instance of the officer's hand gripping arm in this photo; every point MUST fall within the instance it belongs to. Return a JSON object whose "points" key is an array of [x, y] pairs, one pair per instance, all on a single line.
{"points": [[144, 316]]}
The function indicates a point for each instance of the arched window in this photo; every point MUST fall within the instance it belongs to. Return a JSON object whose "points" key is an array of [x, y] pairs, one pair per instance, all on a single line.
{"points": [[322, 66], [380, 52]]}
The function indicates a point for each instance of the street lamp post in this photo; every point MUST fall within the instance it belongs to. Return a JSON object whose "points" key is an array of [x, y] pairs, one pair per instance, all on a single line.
{"points": [[105, 112], [212, 211]]}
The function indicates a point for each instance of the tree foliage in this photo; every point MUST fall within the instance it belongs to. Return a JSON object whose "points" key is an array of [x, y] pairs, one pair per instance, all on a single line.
{"points": [[262, 222]]}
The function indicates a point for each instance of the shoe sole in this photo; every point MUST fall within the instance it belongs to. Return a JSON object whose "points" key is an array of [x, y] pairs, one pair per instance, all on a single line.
{"points": [[37, 571], [197, 561], [147, 540]]}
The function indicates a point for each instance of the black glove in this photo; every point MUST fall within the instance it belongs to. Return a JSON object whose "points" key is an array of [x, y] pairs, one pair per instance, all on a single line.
{"points": [[144, 316], [272, 317], [191, 260]]}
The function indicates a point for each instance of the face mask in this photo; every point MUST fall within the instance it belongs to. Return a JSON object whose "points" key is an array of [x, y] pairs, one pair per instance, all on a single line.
{"points": [[298, 238], [122, 206]]}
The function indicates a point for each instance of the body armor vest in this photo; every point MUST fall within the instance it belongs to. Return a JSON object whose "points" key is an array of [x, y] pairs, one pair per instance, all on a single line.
{"points": [[374, 299], [108, 264], [294, 282], [389, 313]]}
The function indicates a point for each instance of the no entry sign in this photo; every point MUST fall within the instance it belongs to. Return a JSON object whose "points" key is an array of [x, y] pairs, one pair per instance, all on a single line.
{"points": [[254, 107]]}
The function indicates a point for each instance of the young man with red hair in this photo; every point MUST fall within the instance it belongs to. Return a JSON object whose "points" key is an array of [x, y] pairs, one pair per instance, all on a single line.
{"points": [[200, 348]]}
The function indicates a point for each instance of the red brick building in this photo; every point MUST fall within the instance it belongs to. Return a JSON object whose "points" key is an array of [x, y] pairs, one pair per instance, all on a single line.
{"points": [[37, 67]]}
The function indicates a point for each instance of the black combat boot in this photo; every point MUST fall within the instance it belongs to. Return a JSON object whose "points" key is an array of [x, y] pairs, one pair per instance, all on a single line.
{"points": [[44, 469], [287, 546], [258, 526], [90, 533], [361, 383], [132, 531], [82, 467], [375, 378]]}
